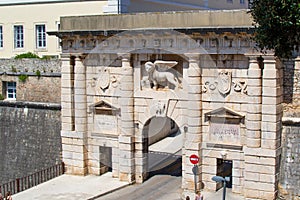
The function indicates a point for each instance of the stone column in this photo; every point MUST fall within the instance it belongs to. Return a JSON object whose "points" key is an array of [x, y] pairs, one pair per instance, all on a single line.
{"points": [[253, 117], [262, 164], [126, 138], [67, 115], [75, 140], [66, 93], [192, 144]]}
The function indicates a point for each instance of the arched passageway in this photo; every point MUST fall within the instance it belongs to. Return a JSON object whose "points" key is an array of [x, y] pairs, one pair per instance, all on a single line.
{"points": [[163, 144]]}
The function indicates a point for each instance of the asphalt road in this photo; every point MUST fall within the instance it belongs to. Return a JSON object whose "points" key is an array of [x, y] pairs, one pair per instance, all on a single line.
{"points": [[164, 182], [158, 187]]}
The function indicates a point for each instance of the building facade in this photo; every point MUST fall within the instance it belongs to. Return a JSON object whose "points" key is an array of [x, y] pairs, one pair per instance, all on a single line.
{"points": [[21, 32], [136, 6], [198, 70], [23, 26]]}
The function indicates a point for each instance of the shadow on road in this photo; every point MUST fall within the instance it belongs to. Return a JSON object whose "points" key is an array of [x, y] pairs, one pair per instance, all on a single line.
{"points": [[168, 164]]}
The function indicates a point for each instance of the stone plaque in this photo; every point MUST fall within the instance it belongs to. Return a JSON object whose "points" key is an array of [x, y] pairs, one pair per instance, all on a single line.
{"points": [[225, 133], [106, 124]]}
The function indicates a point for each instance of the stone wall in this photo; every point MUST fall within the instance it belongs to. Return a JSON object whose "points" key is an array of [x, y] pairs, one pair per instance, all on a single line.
{"points": [[290, 159], [42, 82], [30, 65], [290, 163], [29, 138]]}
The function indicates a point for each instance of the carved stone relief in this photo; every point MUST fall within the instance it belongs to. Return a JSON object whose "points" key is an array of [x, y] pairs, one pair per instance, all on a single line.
{"points": [[158, 108], [224, 84], [104, 80], [160, 75], [211, 41]]}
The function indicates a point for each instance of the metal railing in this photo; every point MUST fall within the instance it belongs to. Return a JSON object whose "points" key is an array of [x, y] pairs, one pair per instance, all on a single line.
{"points": [[26, 182]]}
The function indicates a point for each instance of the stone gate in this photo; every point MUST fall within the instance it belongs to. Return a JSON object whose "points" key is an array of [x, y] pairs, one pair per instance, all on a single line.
{"points": [[197, 68]]}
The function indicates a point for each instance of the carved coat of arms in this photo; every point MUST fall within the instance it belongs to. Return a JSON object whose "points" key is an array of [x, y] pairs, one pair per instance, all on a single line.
{"points": [[103, 78], [224, 82]]}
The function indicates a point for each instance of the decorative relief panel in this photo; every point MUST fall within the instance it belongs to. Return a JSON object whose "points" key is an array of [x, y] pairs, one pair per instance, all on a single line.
{"points": [[104, 81], [225, 85], [171, 41], [160, 75], [158, 108]]}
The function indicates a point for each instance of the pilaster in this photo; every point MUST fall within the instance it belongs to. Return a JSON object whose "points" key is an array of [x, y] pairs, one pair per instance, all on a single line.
{"points": [[192, 143], [253, 117], [74, 116], [66, 92], [126, 138], [262, 158]]}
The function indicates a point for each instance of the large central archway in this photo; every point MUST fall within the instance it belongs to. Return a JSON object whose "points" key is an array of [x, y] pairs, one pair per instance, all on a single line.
{"points": [[163, 142]]}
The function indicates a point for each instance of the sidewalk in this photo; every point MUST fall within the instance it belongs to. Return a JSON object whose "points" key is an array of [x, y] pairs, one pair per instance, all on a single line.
{"points": [[210, 195], [69, 187]]}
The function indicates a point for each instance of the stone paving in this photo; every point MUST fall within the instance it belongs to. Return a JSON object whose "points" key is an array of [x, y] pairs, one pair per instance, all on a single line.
{"points": [[68, 187]]}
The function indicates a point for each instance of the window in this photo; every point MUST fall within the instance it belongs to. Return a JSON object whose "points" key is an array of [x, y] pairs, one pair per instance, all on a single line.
{"points": [[229, 1], [242, 1], [40, 36], [1, 37], [18, 36], [11, 90]]}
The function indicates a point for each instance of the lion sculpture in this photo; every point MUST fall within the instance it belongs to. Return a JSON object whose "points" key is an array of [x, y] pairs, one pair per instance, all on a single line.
{"points": [[161, 78]]}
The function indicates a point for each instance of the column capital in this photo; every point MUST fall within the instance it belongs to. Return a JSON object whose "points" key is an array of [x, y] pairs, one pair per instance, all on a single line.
{"points": [[269, 59], [252, 58]]}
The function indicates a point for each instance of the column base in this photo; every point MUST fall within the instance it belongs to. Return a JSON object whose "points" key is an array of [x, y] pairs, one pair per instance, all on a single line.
{"points": [[78, 171], [140, 178], [130, 178]]}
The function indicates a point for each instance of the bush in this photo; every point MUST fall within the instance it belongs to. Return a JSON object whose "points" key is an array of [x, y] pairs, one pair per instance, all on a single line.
{"points": [[1, 97], [38, 73], [23, 77], [26, 55]]}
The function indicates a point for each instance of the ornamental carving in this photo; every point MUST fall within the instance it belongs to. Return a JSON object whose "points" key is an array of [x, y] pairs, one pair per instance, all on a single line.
{"points": [[103, 78], [158, 108], [224, 84], [159, 75]]}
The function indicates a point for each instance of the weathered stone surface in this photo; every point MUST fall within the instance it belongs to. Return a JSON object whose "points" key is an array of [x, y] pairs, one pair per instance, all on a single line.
{"points": [[29, 140]]}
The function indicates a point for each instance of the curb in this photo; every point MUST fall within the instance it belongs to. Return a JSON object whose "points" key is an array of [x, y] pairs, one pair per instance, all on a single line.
{"points": [[110, 191]]}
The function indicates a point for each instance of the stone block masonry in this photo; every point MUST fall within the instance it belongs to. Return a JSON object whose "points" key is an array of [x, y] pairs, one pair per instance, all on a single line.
{"points": [[42, 82], [290, 163], [29, 138]]}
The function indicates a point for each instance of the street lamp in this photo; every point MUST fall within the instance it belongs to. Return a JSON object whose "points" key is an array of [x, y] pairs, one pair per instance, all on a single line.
{"points": [[220, 179]]}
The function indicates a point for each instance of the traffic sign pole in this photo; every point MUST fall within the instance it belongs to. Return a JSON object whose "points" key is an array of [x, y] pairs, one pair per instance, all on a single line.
{"points": [[195, 177], [194, 159]]}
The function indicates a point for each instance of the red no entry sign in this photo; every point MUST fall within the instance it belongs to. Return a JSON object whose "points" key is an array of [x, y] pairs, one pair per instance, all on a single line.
{"points": [[194, 159]]}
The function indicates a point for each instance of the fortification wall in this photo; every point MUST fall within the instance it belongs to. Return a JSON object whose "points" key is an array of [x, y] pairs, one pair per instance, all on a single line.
{"points": [[29, 138]]}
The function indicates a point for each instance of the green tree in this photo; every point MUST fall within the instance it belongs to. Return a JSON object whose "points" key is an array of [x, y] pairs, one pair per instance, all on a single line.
{"points": [[277, 25]]}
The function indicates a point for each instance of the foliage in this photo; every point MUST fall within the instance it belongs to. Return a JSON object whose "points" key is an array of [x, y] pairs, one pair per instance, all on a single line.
{"points": [[277, 25], [13, 69], [38, 73], [26, 55], [23, 77], [1, 97], [48, 57]]}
